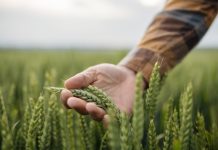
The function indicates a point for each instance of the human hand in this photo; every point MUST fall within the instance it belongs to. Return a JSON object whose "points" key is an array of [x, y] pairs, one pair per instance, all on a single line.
{"points": [[117, 81]]}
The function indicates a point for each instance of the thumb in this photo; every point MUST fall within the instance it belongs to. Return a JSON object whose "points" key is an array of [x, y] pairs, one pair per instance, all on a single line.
{"points": [[82, 79]]}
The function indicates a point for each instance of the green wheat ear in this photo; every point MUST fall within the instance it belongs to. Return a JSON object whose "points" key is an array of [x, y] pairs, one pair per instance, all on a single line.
{"points": [[113, 131], [168, 135], [175, 126], [153, 91], [45, 139], [214, 136], [91, 94], [78, 133], [85, 133], [152, 143], [52, 89], [35, 124], [6, 135], [125, 132], [202, 135], [138, 112], [63, 127], [105, 100], [186, 124]]}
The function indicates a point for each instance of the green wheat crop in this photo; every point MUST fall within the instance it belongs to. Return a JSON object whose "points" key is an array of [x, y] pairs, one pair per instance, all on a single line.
{"points": [[31, 118]]}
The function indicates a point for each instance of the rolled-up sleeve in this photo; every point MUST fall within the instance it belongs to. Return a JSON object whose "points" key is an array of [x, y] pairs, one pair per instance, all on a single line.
{"points": [[171, 35]]}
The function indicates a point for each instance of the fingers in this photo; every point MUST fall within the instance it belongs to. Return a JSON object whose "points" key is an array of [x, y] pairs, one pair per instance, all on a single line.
{"points": [[105, 121], [65, 94], [95, 112], [82, 79], [71, 102], [77, 104], [85, 108], [82, 106]]}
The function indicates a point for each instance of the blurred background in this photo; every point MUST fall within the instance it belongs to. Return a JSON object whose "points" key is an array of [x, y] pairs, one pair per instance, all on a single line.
{"points": [[89, 24], [31, 29]]}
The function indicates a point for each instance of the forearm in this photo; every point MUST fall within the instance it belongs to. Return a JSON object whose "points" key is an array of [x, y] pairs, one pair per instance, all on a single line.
{"points": [[172, 34]]}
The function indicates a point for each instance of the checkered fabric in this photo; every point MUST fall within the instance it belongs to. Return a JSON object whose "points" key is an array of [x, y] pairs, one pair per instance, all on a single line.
{"points": [[171, 35]]}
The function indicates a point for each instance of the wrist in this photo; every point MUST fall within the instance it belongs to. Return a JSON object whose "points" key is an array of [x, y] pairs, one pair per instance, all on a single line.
{"points": [[127, 70], [133, 73]]}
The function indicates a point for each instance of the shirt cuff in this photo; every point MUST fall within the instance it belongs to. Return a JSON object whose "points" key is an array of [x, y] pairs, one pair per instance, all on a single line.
{"points": [[143, 60]]}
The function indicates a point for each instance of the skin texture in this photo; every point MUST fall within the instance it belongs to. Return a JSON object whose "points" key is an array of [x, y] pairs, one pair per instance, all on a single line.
{"points": [[117, 81]]}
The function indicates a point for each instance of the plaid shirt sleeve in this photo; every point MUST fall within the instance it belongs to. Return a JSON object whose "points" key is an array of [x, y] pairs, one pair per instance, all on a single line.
{"points": [[171, 35]]}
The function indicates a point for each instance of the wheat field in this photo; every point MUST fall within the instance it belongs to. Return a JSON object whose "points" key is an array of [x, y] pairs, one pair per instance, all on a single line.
{"points": [[179, 112]]}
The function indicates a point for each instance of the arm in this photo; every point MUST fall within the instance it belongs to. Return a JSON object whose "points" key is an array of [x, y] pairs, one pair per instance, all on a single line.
{"points": [[171, 35]]}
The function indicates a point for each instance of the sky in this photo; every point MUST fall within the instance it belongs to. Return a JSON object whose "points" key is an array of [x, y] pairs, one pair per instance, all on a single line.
{"points": [[80, 23]]}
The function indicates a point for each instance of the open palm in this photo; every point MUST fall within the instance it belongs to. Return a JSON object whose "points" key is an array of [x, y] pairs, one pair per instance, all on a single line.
{"points": [[117, 81]]}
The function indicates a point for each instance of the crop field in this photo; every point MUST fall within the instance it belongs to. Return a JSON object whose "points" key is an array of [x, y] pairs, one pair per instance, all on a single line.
{"points": [[179, 112]]}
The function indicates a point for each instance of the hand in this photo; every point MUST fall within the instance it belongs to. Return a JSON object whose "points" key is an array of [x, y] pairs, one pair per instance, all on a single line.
{"points": [[117, 81]]}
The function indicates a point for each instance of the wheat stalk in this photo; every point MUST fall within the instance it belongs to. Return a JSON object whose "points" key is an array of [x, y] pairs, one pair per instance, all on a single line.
{"points": [[85, 133], [113, 132], [34, 124], [168, 134], [91, 94], [153, 91], [125, 132], [6, 135], [152, 143], [138, 112], [201, 135], [186, 124], [45, 139]]}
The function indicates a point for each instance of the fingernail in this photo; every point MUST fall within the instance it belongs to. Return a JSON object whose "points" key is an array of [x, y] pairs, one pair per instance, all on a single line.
{"points": [[65, 83], [71, 102], [106, 120], [65, 94]]}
